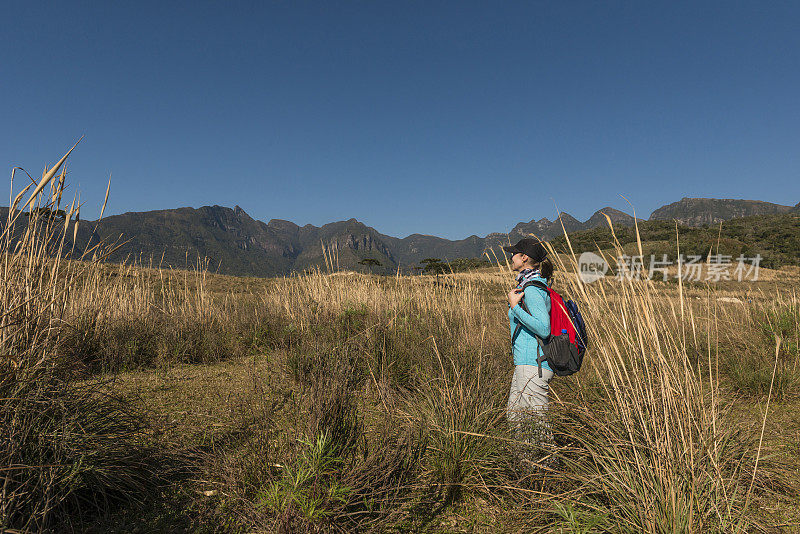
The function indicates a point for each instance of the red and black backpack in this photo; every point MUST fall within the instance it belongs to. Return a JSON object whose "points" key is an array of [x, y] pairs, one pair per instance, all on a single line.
{"points": [[563, 350]]}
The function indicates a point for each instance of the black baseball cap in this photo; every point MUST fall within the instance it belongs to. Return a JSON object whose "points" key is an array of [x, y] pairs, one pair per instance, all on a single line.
{"points": [[532, 248]]}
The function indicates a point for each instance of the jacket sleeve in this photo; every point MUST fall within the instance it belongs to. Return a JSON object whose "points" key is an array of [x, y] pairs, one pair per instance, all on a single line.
{"points": [[538, 321]]}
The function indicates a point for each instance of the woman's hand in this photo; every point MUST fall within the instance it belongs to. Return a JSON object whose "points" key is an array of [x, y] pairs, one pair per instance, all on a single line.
{"points": [[514, 296]]}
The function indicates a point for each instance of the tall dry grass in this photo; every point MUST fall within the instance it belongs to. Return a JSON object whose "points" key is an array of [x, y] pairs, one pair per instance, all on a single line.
{"points": [[643, 438], [68, 449]]}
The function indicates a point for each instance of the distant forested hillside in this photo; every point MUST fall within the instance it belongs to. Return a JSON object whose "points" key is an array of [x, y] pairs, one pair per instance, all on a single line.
{"points": [[775, 237]]}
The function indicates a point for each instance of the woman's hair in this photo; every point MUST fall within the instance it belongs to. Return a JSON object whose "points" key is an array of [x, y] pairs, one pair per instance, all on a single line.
{"points": [[545, 267]]}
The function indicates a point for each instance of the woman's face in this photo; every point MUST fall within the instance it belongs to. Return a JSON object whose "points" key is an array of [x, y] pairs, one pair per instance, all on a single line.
{"points": [[518, 261]]}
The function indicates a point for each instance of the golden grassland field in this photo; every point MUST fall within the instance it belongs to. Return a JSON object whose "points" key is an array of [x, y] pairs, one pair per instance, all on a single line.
{"points": [[144, 400]]}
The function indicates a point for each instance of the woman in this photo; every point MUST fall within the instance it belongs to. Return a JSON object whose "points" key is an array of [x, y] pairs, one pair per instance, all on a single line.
{"points": [[528, 391]]}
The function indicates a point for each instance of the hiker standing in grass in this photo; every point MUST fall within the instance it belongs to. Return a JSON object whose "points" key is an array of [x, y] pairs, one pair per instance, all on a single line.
{"points": [[529, 386]]}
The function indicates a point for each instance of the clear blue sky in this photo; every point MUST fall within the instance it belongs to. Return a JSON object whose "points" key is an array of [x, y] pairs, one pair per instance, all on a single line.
{"points": [[445, 118]]}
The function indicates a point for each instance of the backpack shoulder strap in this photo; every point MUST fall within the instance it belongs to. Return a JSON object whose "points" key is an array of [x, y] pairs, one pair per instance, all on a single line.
{"points": [[527, 284], [540, 285], [535, 283]]}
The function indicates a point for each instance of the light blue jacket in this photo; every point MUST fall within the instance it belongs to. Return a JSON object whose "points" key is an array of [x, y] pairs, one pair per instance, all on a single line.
{"points": [[525, 347]]}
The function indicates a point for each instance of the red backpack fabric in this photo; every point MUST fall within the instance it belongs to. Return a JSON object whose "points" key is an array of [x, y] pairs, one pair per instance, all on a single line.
{"points": [[563, 350], [559, 317]]}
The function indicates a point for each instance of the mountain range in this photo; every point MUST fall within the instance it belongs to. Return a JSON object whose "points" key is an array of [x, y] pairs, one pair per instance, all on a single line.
{"points": [[235, 243]]}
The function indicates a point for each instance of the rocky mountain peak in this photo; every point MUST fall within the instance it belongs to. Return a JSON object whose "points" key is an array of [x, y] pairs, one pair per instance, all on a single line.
{"points": [[699, 211], [612, 212], [616, 216]]}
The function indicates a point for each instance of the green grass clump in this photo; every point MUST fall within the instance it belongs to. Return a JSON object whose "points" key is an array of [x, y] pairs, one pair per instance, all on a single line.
{"points": [[750, 362], [72, 451], [308, 490]]}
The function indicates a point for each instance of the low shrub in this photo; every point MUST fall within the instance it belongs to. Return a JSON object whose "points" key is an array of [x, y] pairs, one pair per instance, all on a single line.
{"points": [[748, 363], [463, 412], [71, 450]]}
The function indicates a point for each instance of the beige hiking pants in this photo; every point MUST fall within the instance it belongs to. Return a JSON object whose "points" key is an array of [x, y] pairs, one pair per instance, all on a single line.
{"points": [[528, 397]]}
